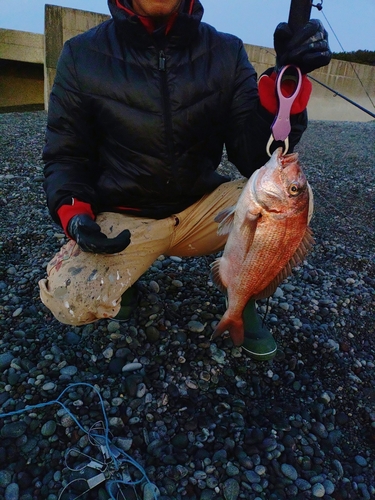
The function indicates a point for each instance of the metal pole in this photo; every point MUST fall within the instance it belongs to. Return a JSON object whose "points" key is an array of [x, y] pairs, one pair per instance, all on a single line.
{"points": [[299, 14]]}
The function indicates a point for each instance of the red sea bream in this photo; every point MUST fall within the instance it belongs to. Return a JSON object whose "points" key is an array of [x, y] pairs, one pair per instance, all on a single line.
{"points": [[268, 235]]}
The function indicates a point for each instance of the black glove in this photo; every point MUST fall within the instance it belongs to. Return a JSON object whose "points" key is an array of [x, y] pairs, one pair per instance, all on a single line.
{"points": [[89, 237], [307, 48]]}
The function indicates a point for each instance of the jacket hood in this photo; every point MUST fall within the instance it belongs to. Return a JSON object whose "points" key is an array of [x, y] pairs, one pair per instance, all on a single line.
{"points": [[130, 25]]}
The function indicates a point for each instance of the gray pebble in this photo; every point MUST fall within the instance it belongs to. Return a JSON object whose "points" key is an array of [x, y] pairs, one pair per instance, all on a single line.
{"points": [[362, 462], [289, 471], [220, 456], [302, 484], [67, 420], [181, 337], [175, 258], [319, 429], [69, 370], [328, 486], [212, 482], [115, 422], [124, 443], [318, 490], [72, 338], [252, 476], [338, 467], [131, 384], [49, 386], [116, 365], [5, 360], [12, 492], [260, 469], [30, 445], [217, 354], [196, 326], [117, 401], [177, 283], [231, 489], [152, 334], [232, 470], [108, 353], [154, 286], [113, 327], [14, 429], [130, 367], [141, 390], [365, 491], [17, 312], [278, 293], [222, 391], [57, 476], [5, 478], [150, 491], [49, 428], [200, 475]]}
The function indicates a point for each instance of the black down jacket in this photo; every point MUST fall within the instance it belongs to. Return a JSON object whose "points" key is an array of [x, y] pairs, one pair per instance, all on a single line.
{"points": [[139, 120]]}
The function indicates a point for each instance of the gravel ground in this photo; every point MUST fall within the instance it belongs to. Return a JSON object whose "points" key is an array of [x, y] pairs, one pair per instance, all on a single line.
{"points": [[203, 420]]}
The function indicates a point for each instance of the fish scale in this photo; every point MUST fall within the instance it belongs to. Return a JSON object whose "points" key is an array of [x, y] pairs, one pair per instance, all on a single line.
{"points": [[265, 248]]}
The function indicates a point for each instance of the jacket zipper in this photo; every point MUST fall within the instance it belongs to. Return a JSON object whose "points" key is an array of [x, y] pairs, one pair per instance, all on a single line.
{"points": [[162, 66], [162, 61]]}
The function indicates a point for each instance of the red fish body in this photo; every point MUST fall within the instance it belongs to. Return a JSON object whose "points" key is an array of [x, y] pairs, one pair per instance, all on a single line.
{"points": [[268, 235]]}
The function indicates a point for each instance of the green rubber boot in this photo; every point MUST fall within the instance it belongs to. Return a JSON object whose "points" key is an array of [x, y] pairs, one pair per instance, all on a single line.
{"points": [[259, 343], [129, 302]]}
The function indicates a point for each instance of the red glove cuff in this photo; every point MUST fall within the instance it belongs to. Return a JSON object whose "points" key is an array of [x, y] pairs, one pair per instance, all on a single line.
{"points": [[268, 96], [66, 212]]}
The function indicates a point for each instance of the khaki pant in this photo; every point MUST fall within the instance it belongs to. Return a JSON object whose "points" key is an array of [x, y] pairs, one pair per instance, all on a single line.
{"points": [[82, 287]]}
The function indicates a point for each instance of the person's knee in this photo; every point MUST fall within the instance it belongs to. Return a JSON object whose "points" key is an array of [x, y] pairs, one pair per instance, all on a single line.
{"points": [[69, 305]]}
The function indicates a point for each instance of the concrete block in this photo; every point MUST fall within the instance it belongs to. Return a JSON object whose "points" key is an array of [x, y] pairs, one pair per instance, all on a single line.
{"points": [[60, 25], [21, 46]]}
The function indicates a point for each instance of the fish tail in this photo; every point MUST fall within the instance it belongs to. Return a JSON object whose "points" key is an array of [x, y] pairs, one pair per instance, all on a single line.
{"points": [[234, 327]]}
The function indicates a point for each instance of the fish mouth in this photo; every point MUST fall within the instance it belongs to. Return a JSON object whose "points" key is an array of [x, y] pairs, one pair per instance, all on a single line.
{"points": [[292, 174], [286, 160]]}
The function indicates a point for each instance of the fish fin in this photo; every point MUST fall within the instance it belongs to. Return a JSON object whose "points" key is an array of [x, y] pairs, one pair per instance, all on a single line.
{"points": [[215, 276], [248, 229], [271, 288], [303, 249], [225, 219], [298, 257], [235, 328]]}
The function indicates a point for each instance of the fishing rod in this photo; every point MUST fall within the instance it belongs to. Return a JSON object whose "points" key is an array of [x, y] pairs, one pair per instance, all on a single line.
{"points": [[343, 96], [299, 15]]}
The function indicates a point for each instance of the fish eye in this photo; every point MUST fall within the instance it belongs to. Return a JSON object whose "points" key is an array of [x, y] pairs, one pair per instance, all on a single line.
{"points": [[294, 190]]}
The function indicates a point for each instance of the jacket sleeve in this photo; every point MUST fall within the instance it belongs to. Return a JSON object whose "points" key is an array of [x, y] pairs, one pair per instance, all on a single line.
{"points": [[249, 126], [69, 154]]}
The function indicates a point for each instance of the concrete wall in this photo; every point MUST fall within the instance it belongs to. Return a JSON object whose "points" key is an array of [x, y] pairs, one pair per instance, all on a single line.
{"points": [[21, 86], [354, 81], [21, 70], [339, 75], [24, 55], [61, 24], [21, 46]]}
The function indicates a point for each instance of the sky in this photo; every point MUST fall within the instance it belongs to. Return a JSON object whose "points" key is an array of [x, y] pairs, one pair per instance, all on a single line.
{"points": [[350, 23]]}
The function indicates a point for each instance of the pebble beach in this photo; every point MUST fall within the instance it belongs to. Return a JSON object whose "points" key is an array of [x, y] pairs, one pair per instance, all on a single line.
{"points": [[200, 420]]}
